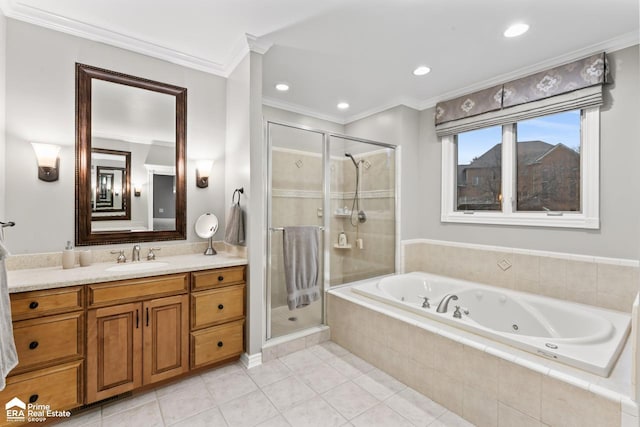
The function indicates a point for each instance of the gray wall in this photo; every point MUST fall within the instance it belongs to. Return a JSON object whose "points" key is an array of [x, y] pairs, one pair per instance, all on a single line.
{"points": [[619, 233], [399, 126], [40, 101]]}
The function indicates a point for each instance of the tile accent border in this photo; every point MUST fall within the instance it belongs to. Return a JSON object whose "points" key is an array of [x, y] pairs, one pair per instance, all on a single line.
{"points": [[610, 283]]}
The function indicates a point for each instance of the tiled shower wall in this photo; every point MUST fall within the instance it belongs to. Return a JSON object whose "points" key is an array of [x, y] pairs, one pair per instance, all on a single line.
{"points": [[297, 199], [602, 282]]}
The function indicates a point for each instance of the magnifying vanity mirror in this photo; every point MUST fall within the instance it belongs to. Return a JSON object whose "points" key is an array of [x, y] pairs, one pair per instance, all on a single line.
{"points": [[130, 133], [206, 227]]}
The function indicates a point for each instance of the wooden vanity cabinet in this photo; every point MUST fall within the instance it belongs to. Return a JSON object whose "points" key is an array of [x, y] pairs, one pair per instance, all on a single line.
{"points": [[217, 315], [49, 330], [82, 344], [136, 343]]}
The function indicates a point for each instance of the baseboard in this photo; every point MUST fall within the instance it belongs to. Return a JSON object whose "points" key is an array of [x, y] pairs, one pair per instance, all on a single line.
{"points": [[251, 360]]}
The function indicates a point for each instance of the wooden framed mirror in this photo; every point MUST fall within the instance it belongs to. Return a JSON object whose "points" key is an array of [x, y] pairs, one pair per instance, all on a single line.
{"points": [[130, 132]]}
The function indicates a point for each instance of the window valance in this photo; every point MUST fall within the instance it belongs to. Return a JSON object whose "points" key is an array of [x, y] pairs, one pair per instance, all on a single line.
{"points": [[570, 86]]}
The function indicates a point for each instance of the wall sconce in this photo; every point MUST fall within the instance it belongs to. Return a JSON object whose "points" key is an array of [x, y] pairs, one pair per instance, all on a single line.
{"points": [[136, 190], [203, 170], [48, 161]]}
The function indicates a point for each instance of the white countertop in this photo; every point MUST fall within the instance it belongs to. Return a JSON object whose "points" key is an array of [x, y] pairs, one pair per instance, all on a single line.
{"points": [[56, 277]]}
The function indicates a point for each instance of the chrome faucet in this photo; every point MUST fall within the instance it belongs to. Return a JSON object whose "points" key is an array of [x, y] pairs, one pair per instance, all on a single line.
{"points": [[444, 304], [135, 253]]}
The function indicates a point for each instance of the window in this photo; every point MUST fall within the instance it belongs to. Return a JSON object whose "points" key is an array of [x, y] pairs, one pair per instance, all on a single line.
{"points": [[540, 171]]}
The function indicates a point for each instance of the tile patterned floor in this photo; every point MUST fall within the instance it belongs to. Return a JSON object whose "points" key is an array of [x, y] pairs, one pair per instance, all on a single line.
{"points": [[324, 385]]}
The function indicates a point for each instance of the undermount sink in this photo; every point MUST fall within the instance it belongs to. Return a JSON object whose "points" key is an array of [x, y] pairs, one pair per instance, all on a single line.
{"points": [[137, 266]]}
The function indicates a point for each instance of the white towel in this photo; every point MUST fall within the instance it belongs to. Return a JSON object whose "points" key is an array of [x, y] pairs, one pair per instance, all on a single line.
{"points": [[8, 354], [301, 249]]}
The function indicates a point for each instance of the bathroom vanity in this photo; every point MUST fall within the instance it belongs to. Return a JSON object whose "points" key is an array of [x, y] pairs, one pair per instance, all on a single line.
{"points": [[90, 341]]}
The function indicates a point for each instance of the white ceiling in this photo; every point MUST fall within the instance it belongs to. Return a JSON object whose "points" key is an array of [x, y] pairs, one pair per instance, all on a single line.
{"points": [[361, 51]]}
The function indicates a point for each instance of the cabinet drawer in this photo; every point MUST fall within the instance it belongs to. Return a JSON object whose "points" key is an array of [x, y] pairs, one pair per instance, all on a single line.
{"points": [[27, 305], [216, 344], [216, 306], [137, 289], [219, 277], [49, 339], [59, 386]]}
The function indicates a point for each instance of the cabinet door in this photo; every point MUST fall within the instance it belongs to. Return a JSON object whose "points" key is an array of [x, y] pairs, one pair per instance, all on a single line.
{"points": [[114, 356], [166, 332]]}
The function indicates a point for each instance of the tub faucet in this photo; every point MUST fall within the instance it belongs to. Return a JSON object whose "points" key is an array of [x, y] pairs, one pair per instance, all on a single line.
{"points": [[444, 304], [135, 253]]}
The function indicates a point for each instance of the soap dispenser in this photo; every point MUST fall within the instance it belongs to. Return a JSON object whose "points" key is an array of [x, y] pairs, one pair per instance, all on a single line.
{"points": [[68, 256]]}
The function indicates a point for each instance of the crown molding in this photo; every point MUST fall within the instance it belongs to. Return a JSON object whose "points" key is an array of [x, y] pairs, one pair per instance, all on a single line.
{"points": [[42, 18], [611, 45], [379, 109], [256, 45], [299, 109]]}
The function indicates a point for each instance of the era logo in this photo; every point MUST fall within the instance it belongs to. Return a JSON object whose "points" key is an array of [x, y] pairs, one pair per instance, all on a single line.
{"points": [[15, 410]]}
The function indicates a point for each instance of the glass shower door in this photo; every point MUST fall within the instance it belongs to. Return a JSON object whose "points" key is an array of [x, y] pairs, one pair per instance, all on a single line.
{"points": [[296, 170]]}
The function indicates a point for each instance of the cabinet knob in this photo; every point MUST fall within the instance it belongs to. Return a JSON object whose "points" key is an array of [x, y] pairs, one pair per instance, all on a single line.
{"points": [[220, 344], [220, 306], [220, 278], [33, 305], [33, 398], [33, 345]]}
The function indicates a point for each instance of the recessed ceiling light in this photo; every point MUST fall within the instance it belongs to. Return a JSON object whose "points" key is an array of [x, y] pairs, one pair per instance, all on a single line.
{"points": [[282, 87], [421, 70], [343, 105], [516, 30]]}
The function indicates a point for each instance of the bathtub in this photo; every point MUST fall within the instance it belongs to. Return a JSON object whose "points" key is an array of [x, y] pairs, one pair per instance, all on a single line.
{"points": [[578, 335]]}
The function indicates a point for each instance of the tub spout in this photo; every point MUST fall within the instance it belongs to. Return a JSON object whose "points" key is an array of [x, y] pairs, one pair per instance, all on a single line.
{"points": [[444, 304]]}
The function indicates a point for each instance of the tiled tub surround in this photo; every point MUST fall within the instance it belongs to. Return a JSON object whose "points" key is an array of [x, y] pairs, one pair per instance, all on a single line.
{"points": [[602, 282], [585, 337], [488, 383]]}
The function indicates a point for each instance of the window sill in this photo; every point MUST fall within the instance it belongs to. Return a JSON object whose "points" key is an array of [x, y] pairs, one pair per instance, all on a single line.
{"points": [[567, 220]]}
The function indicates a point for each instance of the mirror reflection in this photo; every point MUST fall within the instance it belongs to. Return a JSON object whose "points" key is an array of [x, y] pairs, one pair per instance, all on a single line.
{"points": [[135, 130], [110, 185]]}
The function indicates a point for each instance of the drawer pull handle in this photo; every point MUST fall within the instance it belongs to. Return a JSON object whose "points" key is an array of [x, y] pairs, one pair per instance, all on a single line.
{"points": [[33, 345], [33, 305], [220, 306], [147, 316], [220, 344], [33, 398], [220, 278]]}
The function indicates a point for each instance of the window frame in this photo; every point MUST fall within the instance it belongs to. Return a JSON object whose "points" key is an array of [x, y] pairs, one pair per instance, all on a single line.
{"points": [[588, 217]]}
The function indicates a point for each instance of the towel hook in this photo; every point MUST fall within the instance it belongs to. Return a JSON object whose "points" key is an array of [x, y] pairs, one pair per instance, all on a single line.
{"points": [[239, 191]]}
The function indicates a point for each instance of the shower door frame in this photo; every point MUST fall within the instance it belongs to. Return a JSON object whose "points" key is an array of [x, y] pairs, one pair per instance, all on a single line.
{"points": [[326, 217]]}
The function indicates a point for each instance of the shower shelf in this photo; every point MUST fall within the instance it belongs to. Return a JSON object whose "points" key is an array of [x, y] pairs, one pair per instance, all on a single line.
{"points": [[342, 214], [337, 246]]}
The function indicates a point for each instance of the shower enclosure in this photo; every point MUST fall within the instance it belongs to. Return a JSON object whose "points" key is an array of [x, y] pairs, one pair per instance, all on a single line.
{"points": [[344, 186]]}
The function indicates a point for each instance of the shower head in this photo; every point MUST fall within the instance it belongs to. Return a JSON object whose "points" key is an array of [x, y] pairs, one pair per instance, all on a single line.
{"points": [[352, 159]]}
